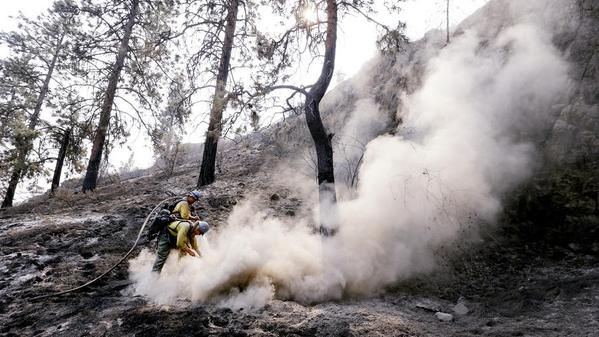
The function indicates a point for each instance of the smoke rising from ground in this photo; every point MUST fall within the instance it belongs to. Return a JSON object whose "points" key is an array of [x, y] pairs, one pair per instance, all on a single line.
{"points": [[463, 145]]}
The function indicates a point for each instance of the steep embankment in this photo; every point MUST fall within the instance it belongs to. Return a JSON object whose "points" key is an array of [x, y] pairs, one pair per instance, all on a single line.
{"points": [[499, 85], [53, 248], [561, 201]]}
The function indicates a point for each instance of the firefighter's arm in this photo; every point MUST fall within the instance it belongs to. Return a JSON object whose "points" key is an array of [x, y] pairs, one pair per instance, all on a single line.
{"points": [[182, 238], [194, 246], [193, 215], [189, 251]]}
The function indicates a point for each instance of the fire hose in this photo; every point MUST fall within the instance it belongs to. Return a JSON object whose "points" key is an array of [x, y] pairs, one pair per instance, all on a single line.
{"points": [[143, 226]]}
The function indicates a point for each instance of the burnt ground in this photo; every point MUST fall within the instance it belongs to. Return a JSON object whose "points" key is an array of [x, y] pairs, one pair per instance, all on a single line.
{"points": [[507, 288], [506, 292]]}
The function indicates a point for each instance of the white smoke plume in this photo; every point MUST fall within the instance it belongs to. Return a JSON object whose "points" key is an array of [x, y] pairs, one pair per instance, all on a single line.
{"points": [[460, 148]]}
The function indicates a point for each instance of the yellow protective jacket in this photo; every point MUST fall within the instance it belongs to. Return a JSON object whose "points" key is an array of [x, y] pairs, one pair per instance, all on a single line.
{"points": [[180, 228]]}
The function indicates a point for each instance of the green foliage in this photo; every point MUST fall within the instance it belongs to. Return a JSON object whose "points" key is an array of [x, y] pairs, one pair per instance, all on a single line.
{"points": [[393, 41], [168, 132], [39, 55], [174, 52]]}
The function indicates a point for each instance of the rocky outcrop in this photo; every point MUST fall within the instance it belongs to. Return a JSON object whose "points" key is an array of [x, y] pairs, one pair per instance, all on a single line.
{"points": [[561, 203], [563, 195]]}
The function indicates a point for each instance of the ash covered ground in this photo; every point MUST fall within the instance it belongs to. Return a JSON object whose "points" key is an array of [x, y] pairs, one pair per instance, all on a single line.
{"points": [[498, 288], [533, 272]]}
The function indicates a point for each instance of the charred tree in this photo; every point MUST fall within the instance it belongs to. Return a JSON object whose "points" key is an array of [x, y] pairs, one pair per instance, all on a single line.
{"points": [[213, 134], [320, 136], [447, 20], [64, 145], [93, 167]]}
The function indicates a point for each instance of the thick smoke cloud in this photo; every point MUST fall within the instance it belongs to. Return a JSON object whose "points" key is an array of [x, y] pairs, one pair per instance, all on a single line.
{"points": [[464, 143]]}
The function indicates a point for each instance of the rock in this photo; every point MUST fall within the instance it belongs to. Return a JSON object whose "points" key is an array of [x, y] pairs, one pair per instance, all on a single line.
{"points": [[86, 254], [428, 306], [492, 322], [461, 309], [444, 317], [89, 265], [574, 247], [275, 197]]}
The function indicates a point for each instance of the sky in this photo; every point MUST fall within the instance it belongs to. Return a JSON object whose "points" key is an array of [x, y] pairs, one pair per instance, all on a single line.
{"points": [[356, 35], [355, 46]]}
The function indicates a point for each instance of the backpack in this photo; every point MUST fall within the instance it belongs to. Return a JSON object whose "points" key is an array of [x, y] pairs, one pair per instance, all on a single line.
{"points": [[161, 220]]}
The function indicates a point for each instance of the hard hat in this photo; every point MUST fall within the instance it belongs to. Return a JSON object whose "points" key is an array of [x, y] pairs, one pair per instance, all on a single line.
{"points": [[204, 227], [195, 194]]}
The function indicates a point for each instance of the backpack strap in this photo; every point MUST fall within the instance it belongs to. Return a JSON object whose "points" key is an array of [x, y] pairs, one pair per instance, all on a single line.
{"points": [[174, 232], [177, 215]]}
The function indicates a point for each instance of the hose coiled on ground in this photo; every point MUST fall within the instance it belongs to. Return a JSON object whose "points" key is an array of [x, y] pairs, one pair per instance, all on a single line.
{"points": [[116, 264]]}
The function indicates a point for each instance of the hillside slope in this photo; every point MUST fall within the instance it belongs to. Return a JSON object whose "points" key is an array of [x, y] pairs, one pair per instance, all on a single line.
{"points": [[535, 272], [505, 292]]}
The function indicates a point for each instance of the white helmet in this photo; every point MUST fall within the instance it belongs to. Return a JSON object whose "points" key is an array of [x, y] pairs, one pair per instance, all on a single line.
{"points": [[204, 227]]}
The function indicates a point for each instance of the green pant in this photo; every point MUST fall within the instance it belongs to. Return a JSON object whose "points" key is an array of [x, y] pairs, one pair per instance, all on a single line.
{"points": [[162, 251]]}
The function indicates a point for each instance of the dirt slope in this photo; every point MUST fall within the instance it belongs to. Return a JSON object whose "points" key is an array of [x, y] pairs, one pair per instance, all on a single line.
{"points": [[507, 287], [69, 240]]}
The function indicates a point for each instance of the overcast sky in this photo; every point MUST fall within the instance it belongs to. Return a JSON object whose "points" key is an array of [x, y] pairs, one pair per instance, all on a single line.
{"points": [[355, 45], [356, 36]]}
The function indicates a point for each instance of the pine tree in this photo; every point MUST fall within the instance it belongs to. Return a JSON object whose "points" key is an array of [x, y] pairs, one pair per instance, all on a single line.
{"points": [[38, 48], [93, 167], [167, 134], [218, 101], [316, 39], [137, 33], [67, 134]]}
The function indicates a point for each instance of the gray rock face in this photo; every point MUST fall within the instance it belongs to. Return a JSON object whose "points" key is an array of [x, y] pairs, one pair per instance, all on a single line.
{"points": [[461, 309], [575, 134], [444, 317], [428, 305], [565, 185]]}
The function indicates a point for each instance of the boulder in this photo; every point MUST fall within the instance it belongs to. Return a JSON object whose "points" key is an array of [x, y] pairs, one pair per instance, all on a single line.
{"points": [[444, 317]]}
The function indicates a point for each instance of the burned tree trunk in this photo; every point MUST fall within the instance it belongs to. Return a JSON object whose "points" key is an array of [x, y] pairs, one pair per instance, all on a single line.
{"points": [[64, 144], [25, 144], [93, 167], [447, 20], [15, 177], [218, 102], [320, 136]]}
